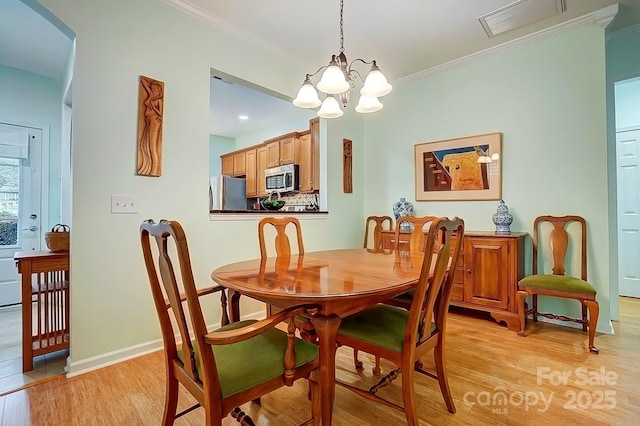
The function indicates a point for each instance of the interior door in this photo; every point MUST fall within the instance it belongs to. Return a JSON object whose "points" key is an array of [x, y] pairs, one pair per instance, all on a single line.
{"points": [[628, 162], [20, 202]]}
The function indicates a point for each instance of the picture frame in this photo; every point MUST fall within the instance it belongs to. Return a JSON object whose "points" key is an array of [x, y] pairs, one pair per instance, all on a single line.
{"points": [[467, 168]]}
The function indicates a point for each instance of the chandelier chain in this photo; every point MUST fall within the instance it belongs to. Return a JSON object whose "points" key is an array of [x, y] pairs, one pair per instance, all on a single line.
{"points": [[341, 28]]}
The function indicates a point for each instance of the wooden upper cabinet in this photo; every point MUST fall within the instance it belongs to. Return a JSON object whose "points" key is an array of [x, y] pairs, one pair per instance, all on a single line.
{"points": [[227, 164], [251, 166], [306, 161], [261, 165], [314, 126], [234, 163], [273, 154], [282, 150], [309, 157], [288, 150], [239, 164]]}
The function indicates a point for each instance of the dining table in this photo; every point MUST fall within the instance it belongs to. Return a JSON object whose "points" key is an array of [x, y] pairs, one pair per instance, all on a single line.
{"points": [[331, 284]]}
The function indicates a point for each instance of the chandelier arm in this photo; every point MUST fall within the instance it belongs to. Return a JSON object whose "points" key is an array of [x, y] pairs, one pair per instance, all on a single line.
{"points": [[317, 71]]}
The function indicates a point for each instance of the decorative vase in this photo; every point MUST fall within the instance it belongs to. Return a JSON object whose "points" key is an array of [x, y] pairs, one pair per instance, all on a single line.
{"points": [[403, 208], [502, 219]]}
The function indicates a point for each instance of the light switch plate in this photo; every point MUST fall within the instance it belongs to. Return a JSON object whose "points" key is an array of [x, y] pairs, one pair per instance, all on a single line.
{"points": [[124, 204]]}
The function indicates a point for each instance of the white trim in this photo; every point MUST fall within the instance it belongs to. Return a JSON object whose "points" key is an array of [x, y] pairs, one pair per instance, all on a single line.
{"points": [[599, 17], [76, 368], [627, 128], [228, 27], [240, 217], [601, 328]]}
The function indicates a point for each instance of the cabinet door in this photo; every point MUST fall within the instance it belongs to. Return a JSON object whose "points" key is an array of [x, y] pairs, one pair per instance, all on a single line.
{"points": [[487, 268], [273, 154], [227, 164], [288, 150], [239, 164], [261, 161], [314, 125], [306, 165], [251, 168]]}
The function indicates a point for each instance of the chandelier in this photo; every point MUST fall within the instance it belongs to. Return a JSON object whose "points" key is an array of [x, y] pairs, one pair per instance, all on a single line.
{"points": [[337, 80]]}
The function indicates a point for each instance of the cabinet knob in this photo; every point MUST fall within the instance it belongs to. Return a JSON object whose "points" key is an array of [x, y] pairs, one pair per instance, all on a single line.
{"points": [[468, 271]]}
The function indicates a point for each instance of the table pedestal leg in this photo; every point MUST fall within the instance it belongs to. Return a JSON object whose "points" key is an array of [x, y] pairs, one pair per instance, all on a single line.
{"points": [[327, 328]]}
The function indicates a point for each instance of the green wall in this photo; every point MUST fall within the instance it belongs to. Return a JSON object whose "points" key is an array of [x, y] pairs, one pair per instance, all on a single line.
{"points": [[547, 98]]}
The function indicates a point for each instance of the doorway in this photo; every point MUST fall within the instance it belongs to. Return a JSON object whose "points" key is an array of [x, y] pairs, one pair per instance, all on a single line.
{"points": [[20, 202], [627, 107]]}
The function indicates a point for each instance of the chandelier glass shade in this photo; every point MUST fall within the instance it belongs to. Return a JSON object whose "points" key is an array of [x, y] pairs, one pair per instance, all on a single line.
{"points": [[338, 78]]}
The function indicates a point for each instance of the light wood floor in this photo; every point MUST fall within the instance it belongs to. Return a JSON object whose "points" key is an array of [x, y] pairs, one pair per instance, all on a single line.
{"points": [[484, 361], [11, 376]]}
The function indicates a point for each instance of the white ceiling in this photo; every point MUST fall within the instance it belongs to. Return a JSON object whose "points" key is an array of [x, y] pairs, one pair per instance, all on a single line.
{"points": [[404, 36]]}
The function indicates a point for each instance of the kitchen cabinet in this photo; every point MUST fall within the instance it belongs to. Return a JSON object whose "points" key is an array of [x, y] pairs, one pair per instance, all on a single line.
{"points": [[487, 274], [251, 172], [227, 164], [234, 163], [309, 158], [282, 150], [261, 165]]}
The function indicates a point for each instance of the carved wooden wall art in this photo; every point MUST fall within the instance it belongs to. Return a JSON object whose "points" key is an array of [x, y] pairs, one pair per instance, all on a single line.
{"points": [[150, 117], [347, 175]]}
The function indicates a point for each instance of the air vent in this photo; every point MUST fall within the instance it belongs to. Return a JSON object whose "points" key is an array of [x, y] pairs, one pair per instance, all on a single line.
{"points": [[520, 13]]}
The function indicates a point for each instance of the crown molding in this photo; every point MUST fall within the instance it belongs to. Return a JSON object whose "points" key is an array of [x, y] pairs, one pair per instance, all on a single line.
{"points": [[601, 17], [226, 27]]}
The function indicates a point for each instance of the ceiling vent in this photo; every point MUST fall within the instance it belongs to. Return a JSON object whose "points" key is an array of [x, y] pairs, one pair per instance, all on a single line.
{"points": [[520, 13]]}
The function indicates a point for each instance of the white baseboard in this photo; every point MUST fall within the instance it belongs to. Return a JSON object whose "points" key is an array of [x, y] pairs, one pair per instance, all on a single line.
{"points": [[76, 368], [606, 328]]}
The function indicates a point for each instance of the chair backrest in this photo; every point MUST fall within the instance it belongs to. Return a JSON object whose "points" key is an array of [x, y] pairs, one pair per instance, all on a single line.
{"points": [[559, 243], [379, 226], [417, 239], [166, 277], [282, 244], [431, 301]]}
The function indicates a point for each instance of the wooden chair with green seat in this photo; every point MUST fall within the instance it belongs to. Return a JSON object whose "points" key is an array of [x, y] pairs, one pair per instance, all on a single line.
{"points": [[558, 284], [416, 242], [404, 336], [283, 253], [378, 223], [221, 368]]}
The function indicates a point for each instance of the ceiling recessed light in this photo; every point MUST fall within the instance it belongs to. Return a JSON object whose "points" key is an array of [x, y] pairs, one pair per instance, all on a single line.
{"points": [[243, 117]]}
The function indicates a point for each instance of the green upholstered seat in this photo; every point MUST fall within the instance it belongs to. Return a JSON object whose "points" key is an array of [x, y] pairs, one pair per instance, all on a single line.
{"points": [[381, 325], [254, 360], [558, 282]]}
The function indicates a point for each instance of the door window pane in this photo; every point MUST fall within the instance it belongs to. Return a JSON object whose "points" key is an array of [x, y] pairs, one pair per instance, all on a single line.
{"points": [[9, 187]]}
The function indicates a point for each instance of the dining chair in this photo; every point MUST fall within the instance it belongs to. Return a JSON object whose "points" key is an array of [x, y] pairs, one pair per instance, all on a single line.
{"points": [[558, 283], [404, 336], [230, 366], [415, 243], [283, 254], [379, 223]]}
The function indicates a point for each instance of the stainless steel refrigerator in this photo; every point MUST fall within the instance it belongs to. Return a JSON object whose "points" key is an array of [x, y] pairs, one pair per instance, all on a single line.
{"points": [[227, 193]]}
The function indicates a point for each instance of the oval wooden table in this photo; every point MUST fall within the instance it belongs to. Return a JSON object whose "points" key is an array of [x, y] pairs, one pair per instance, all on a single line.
{"points": [[333, 283]]}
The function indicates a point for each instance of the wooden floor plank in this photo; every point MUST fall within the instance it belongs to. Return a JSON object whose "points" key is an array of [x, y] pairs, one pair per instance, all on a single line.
{"points": [[485, 362]]}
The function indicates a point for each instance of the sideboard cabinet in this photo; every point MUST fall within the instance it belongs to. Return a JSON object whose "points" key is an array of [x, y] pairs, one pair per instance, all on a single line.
{"points": [[487, 273]]}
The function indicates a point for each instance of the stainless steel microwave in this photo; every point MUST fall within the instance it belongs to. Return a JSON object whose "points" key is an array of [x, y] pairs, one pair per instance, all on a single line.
{"points": [[282, 178]]}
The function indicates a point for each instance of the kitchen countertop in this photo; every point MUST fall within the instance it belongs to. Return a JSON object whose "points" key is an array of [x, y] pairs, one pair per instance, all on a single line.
{"points": [[283, 211]]}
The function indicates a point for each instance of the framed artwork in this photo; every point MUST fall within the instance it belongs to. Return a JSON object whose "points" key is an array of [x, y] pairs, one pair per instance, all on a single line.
{"points": [[467, 168]]}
